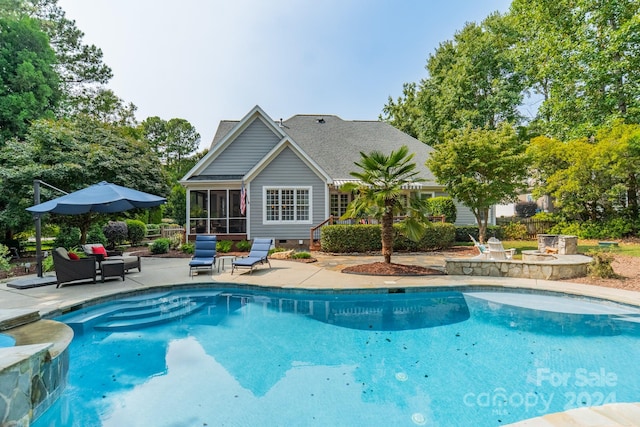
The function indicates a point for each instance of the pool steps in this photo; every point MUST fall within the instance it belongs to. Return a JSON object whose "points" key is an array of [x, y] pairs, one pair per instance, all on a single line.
{"points": [[140, 311]]}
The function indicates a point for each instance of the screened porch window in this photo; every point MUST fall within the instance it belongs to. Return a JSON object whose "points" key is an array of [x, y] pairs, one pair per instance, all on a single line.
{"points": [[216, 211], [287, 205]]}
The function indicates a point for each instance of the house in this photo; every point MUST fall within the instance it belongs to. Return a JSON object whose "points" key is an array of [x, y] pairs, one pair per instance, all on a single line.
{"points": [[278, 179]]}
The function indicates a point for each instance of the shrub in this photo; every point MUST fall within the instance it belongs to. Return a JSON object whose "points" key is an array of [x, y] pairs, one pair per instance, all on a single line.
{"points": [[96, 235], [526, 209], [615, 228], [301, 255], [188, 248], [69, 237], [443, 205], [350, 238], [224, 246], [5, 255], [515, 231], [436, 236], [115, 232], [47, 264], [160, 246], [367, 238], [136, 231], [175, 240], [601, 265], [243, 246], [276, 249]]}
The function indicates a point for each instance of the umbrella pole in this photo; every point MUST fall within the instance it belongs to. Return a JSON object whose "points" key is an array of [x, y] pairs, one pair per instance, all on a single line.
{"points": [[36, 218]]}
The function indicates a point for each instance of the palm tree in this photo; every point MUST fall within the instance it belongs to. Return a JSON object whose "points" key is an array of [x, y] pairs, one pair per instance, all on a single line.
{"points": [[379, 194]]}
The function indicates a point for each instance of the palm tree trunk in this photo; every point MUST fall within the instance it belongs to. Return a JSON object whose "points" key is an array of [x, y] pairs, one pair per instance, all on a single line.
{"points": [[387, 234]]}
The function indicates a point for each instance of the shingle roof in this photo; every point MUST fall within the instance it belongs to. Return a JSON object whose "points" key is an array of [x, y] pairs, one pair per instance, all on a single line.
{"points": [[335, 144]]}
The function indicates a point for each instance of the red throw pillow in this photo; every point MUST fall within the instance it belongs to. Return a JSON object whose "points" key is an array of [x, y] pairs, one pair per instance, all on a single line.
{"points": [[73, 256], [99, 250]]}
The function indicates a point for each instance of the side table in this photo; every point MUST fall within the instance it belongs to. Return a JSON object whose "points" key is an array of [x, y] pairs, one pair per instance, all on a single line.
{"points": [[222, 259], [112, 268]]}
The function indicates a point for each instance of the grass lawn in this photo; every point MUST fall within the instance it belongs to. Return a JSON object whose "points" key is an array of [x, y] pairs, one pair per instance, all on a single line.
{"points": [[584, 246]]}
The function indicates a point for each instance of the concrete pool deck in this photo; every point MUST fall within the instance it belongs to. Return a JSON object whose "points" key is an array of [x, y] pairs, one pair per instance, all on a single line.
{"points": [[322, 275]]}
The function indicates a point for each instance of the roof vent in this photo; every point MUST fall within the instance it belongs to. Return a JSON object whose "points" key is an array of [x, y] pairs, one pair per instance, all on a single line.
{"points": [[320, 120], [280, 124]]}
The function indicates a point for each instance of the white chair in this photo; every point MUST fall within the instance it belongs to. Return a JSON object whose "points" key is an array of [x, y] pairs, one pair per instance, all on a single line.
{"points": [[484, 252], [497, 251]]}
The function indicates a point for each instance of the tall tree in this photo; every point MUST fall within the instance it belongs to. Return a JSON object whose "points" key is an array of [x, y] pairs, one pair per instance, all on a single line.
{"points": [[481, 168], [471, 80], [380, 191], [29, 85], [582, 57], [174, 142]]}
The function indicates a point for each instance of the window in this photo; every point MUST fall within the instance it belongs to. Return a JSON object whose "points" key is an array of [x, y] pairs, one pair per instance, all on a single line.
{"points": [[338, 204], [287, 205]]}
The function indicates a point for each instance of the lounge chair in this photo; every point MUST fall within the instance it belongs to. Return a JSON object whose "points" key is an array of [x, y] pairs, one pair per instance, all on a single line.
{"points": [[71, 270], [204, 256], [497, 251], [484, 252], [98, 251], [259, 254]]}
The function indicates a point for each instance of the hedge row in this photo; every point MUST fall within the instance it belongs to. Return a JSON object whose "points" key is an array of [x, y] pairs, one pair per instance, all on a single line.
{"points": [[367, 238]]}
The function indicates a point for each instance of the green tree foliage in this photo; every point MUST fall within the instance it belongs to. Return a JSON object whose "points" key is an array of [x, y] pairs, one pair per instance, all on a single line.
{"points": [[177, 204], [103, 105], [589, 179], [582, 57], [481, 168], [443, 205], [471, 80], [380, 194], [29, 85], [79, 66], [72, 154], [172, 140]]}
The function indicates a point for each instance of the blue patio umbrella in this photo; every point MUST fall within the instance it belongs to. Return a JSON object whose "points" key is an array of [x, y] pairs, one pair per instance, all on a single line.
{"points": [[103, 197]]}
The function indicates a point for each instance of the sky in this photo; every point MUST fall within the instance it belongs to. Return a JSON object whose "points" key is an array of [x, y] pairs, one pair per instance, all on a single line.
{"points": [[211, 60]]}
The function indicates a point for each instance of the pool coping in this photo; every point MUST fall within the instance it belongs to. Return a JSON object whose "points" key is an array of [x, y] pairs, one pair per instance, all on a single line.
{"points": [[166, 274]]}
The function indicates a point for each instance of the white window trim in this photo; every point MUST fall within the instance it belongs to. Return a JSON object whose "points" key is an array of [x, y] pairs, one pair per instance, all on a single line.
{"points": [[280, 221]]}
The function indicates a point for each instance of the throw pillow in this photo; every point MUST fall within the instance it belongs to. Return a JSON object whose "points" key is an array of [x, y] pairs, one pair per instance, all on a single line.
{"points": [[73, 256], [100, 250]]}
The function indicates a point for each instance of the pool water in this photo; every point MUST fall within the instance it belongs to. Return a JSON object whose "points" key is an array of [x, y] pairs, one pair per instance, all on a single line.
{"points": [[435, 359], [6, 341]]}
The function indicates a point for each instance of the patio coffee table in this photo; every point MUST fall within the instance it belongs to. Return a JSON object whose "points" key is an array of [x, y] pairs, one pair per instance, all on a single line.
{"points": [[112, 268]]}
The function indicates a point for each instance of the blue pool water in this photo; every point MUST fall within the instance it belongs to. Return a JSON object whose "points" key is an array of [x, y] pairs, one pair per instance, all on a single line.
{"points": [[435, 359], [6, 341]]}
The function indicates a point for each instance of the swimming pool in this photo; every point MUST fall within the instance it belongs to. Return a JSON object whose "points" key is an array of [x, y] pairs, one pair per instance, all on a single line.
{"points": [[6, 341], [255, 358]]}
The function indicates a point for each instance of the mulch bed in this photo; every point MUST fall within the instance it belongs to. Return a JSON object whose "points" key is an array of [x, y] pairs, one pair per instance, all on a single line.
{"points": [[391, 269]]}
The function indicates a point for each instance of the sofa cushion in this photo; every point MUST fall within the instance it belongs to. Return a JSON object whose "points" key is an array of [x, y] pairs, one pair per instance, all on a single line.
{"points": [[63, 253], [99, 250], [73, 256]]}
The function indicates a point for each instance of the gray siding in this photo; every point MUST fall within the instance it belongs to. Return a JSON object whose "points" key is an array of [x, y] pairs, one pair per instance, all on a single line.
{"points": [[286, 170], [464, 217], [245, 151]]}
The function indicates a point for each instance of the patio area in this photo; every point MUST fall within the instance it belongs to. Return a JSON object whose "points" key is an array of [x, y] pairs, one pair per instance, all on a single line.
{"points": [[36, 336]]}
